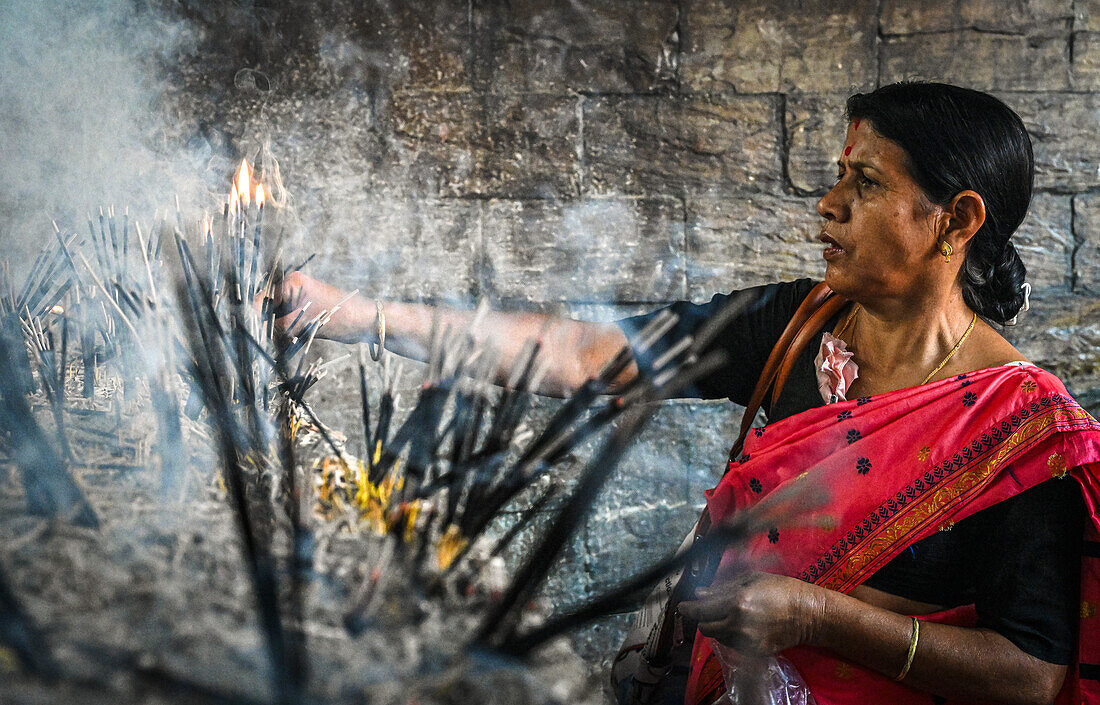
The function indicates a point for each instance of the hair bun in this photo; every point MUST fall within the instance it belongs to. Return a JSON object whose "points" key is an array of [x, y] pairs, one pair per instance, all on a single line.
{"points": [[997, 293]]}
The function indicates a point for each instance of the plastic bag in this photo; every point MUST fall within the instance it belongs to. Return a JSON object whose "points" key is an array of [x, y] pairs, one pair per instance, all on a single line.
{"points": [[771, 680]]}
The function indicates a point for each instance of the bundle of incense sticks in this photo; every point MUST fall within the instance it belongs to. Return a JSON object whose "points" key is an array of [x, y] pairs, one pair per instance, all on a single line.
{"points": [[440, 492]]}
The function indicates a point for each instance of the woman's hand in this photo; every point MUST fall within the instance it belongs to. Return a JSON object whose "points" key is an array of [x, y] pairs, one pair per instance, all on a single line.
{"points": [[758, 613], [302, 294]]}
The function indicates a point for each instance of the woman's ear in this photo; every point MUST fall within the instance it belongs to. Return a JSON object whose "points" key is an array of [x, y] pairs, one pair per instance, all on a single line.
{"points": [[965, 215]]}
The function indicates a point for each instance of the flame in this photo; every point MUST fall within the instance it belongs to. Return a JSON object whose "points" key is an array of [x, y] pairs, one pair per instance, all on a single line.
{"points": [[234, 200], [243, 183], [259, 195], [58, 309]]}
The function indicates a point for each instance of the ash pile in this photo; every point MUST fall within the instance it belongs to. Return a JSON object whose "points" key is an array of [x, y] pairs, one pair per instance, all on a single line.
{"points": [[178, 524]]}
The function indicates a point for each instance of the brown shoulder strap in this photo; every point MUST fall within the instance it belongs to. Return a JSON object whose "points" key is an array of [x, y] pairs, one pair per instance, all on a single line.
{"points": [[818, 306]]}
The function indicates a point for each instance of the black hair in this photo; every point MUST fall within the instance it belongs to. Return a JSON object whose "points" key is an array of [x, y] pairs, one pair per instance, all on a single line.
{"points": [[959, 139]]}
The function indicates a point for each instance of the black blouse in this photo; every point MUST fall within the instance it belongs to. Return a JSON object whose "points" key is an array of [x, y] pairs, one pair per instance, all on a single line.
{"points": [[1017, 562]]}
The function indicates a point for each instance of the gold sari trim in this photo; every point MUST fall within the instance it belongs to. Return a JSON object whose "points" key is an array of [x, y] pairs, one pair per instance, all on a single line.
{"points": [[849, 570]]}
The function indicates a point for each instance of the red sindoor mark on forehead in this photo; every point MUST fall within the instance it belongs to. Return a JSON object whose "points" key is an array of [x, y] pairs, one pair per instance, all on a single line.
{"points": [[855, 125]]}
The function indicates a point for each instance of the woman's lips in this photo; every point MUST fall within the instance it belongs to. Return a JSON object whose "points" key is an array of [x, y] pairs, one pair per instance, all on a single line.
{"points": [[832, 249]]}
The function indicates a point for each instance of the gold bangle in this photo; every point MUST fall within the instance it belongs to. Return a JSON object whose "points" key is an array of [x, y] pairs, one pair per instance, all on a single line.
{"points": [[380, 331], [913, 639]]}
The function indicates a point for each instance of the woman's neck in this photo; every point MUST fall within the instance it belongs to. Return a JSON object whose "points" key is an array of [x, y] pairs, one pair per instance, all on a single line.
{"points": [[896, 344]]}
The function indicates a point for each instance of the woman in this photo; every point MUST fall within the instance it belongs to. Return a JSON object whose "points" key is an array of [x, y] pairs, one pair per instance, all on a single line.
{"points": [[930, 420]]}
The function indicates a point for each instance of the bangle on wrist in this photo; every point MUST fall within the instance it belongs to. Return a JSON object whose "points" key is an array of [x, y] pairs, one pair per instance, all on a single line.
{"points": [[380, 332], [913, 639]]}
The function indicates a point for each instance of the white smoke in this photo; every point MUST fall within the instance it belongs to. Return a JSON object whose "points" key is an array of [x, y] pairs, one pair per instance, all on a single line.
{"points": [[79, 124]]}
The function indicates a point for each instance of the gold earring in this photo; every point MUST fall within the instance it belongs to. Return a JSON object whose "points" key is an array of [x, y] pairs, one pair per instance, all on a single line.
{"points": [[945, 250]]}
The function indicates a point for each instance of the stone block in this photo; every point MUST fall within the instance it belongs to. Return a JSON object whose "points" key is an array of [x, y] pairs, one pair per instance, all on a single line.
{"points": [[437, 141], [1016, 16], [1086, 15], [1063, 128], [1045, 243], [319, 47], [1086, 226], [401, 248], [815, 137], [656, 493], [901, 17], [1062, 335], [671, 145], [758, 47], [749, 239], [595, 250], [1086, 61], [521, 146], [592, 46], [981, 60], [533, 147], [1027, 16]]}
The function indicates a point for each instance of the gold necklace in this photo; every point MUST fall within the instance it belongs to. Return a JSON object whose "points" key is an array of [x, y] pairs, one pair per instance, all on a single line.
{"points": [[953, 350], [950, 353]]}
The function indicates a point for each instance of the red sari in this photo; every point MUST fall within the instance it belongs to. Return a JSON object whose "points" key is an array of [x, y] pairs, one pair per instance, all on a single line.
{"points": [[900, 466]]}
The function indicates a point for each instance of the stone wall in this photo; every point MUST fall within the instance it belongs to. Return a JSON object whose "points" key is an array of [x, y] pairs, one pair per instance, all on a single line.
{"points": [[597, 158]]}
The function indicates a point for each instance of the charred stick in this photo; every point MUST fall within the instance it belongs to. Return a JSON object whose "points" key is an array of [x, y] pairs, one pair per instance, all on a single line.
{"points": [[99, 256], [302, 538], [208, 369], [87, 352], [524, 519], [125, 243], [114, 242], [300, 265], [364, 398]]}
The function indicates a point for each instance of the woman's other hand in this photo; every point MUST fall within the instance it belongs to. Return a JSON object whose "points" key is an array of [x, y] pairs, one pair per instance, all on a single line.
{"points": [[757, 613]]}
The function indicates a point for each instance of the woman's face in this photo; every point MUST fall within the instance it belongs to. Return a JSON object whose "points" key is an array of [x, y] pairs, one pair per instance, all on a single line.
{"points": [[879, 230]]}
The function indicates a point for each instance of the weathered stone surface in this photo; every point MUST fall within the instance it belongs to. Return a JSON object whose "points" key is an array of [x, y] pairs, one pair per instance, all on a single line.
{"points": [[1045, 243], [815, 136], [1017, 16], [407, 249], [756, 47], [1086, 61], [597, 250], [671, 145], [750, 239], [541, 45], [978, 60], [1086, 226], [319, 48], [534, 143], [465, 144], [1063, 128], [436, 140], [1086, 15], [1062, 334]]}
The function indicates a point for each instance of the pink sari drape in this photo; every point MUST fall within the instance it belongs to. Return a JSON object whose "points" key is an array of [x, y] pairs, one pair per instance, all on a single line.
{"points": [[898, 467]]}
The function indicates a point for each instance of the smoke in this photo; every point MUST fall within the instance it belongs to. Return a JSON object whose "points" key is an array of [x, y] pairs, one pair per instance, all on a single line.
{"points": [[80, 125]]}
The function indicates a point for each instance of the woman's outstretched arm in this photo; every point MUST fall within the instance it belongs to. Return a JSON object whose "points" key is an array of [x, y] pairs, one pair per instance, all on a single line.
{"points": [[574, 350]]}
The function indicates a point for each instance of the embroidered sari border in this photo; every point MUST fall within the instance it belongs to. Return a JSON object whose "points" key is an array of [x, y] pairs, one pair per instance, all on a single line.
{"points": [[929, 498]]}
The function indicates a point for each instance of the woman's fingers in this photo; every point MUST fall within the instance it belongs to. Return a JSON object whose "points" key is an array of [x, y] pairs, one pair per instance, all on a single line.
{"points": [[705, 609]]}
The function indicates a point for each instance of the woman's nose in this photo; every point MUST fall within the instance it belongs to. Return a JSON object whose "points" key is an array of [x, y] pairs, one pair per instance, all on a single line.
{"points": [[833, 206]]}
